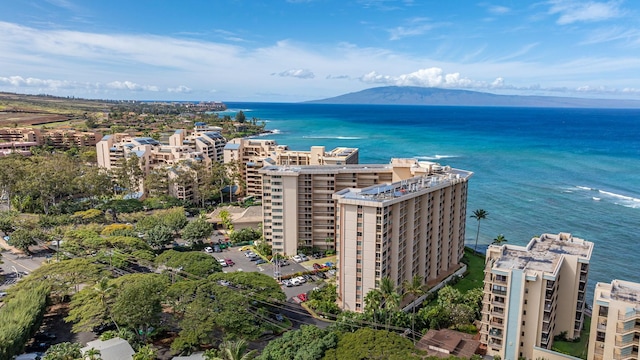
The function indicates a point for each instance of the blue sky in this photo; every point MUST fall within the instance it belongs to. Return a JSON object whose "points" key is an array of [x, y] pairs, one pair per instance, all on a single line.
{"points": [[296, 50]]}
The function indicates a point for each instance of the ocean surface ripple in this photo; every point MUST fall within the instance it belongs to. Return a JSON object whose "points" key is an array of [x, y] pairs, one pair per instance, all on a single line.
{"points": [[535, 170]]}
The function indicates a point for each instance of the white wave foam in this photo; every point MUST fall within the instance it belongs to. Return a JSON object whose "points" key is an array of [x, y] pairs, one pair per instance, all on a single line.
{"points": [[333, 137], [585, 188], [628, 201], [436, 157]]}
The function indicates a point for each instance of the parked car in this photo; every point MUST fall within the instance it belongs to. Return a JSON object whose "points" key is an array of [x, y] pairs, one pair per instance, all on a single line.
{"points": [[303, 257], [254, 257], [303, 297], [249, 254], [282, 262], [208, 249], [245, 248], [321, 275], [229, 262], [287, 283], [223, 263], [224, 283], [216, 248], [279, 317], [317, 266], [295, 282], [297, 258], [301, 279], [260, 261]]}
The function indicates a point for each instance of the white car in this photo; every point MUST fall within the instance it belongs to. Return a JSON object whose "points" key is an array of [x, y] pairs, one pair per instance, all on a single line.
{"points": [[223, 263], [303, 257], [208, 249], [301, 279], [297, 258], [295, 282]]}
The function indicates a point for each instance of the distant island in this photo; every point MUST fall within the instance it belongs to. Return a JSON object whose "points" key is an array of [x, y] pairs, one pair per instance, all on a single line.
{"points": [[414, 95]]}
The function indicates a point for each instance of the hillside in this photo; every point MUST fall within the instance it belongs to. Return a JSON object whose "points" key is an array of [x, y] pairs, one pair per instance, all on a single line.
{"points": [[412, 95]]}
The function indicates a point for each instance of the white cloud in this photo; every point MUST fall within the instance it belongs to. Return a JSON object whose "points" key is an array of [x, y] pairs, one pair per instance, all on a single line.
{"points": [[572, 11], [431, 77], [129, 85], [298, 73], [415, 27], [180, 89], [30, 82], [499, 10]]}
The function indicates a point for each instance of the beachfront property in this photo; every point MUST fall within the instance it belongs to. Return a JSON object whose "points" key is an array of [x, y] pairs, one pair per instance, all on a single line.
{"points": [[254, 154], [615, 323], [391, 220], [533, 293], [21, 140]]}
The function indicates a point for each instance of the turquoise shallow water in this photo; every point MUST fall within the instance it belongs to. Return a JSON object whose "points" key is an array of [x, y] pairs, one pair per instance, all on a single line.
{"points": [[535, 170]]}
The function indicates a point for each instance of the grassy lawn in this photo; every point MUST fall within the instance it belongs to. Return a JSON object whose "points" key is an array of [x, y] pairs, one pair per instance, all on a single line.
{"points": [[475, 272], [577, 349]]}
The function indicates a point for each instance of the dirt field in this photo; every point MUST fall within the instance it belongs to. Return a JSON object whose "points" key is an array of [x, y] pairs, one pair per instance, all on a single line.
{"points": [[10, 119]]}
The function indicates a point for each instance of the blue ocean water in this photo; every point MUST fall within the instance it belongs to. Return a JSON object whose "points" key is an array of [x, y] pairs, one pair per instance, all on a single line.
{"points": [[535, 170]]}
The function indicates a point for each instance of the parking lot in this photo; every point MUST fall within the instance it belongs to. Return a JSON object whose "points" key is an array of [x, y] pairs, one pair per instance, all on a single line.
{"points": [[242, 263]]}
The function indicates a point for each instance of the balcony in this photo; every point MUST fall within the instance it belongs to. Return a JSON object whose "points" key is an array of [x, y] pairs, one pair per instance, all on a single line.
{"points": [[629, 315], [495, 333], [497, 324]]}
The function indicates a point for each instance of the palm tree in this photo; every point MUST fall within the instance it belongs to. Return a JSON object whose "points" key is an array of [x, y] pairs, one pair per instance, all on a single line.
{"points": [[92, 354], [145, 353], [372, 303], [479, 214], [499, 240], [104, 288], [390, 296], [415, 288], [235, 350]]}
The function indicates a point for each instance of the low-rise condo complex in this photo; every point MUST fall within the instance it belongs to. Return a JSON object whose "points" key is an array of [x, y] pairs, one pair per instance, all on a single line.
{"points": [[21, 140], [615, 323], [533, 293]]}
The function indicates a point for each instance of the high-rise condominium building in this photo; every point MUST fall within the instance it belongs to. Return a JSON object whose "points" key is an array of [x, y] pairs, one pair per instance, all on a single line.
{"points": [[254, 154], [615, 322], [533, 293], [392, 220], [412, 226]]}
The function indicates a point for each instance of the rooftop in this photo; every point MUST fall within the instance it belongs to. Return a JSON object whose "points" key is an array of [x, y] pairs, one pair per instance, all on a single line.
{"points": [[310, 169], [386, 192], [543, 253], [626, 291]]}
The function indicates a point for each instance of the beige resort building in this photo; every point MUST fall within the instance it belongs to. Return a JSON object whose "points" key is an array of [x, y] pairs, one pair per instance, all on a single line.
{"points": [[532, 293], [254, 154], [392, 220], [615, 324]]}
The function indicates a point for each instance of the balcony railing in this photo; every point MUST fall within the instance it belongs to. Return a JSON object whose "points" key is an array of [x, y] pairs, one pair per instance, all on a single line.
{"points": [[629, 315]]}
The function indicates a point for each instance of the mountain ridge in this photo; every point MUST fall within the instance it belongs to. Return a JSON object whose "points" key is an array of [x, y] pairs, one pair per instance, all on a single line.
{"points": [[414, 95]]}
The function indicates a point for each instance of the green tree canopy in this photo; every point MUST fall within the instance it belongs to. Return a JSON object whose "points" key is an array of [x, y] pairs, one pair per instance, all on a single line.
{"points": [[139, 301], [193, 262], [307, 343], [245, 235], [367, 344], [63, 351], [197, 230]]}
